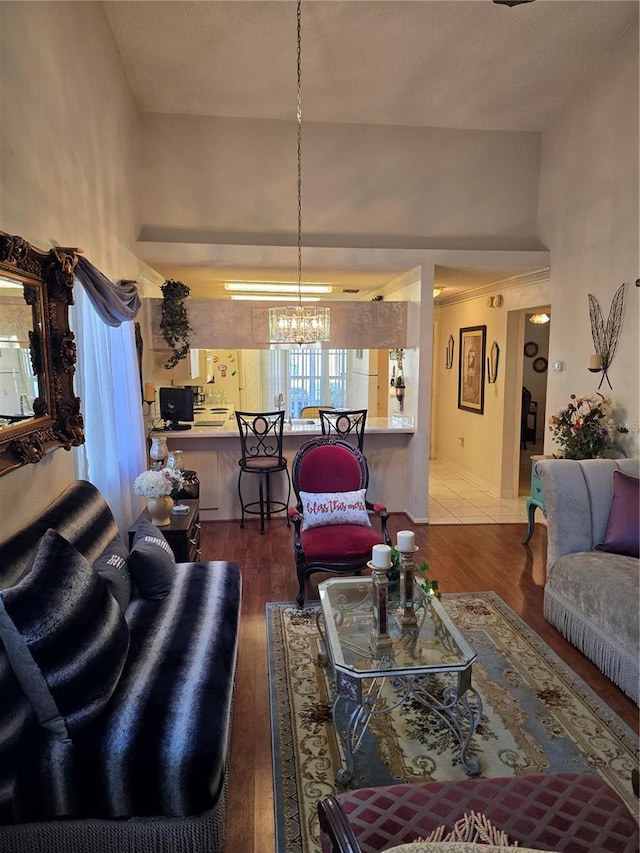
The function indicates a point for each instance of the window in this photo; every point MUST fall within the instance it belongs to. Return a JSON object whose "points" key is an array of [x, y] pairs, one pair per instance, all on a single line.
{"points": [[305, 377]]}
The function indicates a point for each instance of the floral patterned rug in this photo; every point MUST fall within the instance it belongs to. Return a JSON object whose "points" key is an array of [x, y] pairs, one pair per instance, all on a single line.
{"points": [[538, 717]]}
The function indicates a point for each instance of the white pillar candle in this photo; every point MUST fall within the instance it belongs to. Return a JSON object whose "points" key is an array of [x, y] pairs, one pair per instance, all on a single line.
{"points": [[406, 540], [381, 556], [595, 362]]}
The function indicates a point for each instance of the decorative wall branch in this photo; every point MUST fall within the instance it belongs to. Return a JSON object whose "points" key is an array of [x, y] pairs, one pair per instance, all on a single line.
{"points": [[605, 338]]}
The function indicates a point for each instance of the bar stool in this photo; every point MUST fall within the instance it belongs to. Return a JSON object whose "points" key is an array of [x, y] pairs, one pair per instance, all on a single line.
{"points": [[343, 422], [261, 443]]}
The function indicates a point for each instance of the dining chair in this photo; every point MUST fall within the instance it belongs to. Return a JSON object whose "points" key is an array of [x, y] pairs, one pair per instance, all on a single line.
{"points": [[344, 422], [312, 411], [332, 520], [262, 454]]}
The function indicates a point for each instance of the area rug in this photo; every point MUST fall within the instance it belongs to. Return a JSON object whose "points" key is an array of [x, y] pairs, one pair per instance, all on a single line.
{"points": [[538, 717]]}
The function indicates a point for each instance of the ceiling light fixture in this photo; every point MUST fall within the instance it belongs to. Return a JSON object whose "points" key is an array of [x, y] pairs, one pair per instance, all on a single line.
{"points": [[511, 3], [297, 324], [275, 287], [267, 297], [539, 319]]}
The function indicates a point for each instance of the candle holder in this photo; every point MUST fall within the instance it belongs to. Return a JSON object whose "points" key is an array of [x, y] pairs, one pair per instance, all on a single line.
{"points": [[380, 641], [158, 451], [407, 616]]}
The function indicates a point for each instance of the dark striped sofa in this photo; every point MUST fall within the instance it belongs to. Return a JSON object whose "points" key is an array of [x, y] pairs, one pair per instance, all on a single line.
{"points": [[149, 772]]}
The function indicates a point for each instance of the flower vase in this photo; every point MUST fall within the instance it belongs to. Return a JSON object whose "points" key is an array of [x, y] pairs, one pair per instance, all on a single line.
{"points": [[160, 510]]}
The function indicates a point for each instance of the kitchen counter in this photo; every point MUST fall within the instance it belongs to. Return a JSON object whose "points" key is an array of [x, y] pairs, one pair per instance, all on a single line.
{"points": [[213, 451], [308, 427]]}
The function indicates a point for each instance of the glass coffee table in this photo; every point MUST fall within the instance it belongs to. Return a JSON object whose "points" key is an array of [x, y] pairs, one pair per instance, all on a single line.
{"points": [[412, 655]]}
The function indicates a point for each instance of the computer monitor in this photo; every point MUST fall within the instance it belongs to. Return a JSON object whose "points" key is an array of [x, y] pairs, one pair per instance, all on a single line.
{"points": [[176, 405]]}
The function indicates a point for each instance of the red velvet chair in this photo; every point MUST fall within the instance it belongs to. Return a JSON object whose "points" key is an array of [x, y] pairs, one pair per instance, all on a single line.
{"points": [[332, 466], [564, 812]]}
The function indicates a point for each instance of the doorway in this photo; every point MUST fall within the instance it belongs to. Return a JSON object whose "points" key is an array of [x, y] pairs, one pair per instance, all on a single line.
{"points": [[535, 368]]}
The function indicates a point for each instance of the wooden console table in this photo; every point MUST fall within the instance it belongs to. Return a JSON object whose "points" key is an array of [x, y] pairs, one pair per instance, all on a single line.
{"points": [[183, 534]]}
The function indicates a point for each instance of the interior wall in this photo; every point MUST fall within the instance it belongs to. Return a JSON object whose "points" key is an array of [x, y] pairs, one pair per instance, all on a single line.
{"points": [[368, 184], [488, 451], [589, 220], [68, 166]]}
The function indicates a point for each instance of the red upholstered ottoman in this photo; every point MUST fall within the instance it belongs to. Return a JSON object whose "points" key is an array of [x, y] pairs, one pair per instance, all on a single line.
{"points": [[565, 812]]}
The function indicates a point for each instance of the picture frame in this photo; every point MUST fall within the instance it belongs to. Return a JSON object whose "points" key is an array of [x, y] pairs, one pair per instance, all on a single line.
{"points": [[471, 367]]}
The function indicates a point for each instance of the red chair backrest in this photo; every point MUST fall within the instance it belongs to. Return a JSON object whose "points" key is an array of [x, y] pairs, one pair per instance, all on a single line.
{"points": [[329, 465]]}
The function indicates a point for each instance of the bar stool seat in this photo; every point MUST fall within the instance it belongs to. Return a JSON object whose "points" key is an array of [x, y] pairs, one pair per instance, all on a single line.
{"points": [[261, 444]]}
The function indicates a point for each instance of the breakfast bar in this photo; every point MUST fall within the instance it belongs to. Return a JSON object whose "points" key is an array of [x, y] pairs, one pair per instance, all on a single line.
{"points": [[213, 451]]}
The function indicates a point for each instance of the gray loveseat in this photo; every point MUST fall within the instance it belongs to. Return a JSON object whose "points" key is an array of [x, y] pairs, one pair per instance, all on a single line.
{"points": [[591, 596], [135, 755]]}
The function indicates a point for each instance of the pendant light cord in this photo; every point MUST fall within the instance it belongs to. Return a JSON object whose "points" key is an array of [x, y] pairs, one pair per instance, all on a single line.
{"points": [[299, 121]]}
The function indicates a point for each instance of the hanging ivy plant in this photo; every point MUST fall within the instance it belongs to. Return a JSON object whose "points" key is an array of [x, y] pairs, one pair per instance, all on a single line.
{"points": [[174, 324]]}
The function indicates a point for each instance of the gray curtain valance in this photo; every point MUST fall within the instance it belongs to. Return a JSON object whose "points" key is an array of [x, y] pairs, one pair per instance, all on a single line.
{"points": [[115, 303]]}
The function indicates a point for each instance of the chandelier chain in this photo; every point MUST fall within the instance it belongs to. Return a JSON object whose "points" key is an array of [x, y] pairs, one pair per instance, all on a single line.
{"points": [[299, 129], [304, 326]]}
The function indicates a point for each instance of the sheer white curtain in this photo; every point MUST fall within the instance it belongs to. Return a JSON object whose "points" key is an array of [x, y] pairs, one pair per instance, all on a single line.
{"points": [[108, 384], [273, 367]]}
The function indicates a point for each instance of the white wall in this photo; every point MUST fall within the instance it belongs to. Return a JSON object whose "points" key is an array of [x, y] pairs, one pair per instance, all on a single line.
{"points": [[588, 217], [363, 185], [68, 165]]}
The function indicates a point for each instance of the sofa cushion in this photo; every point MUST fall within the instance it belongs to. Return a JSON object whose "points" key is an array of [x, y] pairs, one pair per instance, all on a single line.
{"points": [[622, 533], [111, 565], [161, 746], [151, 561], [65, 637], [604, 588], [322, 509]]}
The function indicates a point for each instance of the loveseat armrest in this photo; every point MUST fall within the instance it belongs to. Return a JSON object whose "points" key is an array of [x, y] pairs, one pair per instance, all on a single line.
{"points": [[335, 824]]}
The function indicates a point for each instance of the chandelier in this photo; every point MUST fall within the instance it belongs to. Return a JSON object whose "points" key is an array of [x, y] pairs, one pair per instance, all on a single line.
{"points": [[299, 324]]}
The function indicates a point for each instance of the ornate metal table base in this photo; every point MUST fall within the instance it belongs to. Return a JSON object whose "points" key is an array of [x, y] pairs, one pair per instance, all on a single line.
{"points": [[454, 709]]}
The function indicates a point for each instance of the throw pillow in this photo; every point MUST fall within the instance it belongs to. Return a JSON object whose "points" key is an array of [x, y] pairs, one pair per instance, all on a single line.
{"points": [[622, 533], [151, 562], [111, 565], [65, 637], [320, 509]]}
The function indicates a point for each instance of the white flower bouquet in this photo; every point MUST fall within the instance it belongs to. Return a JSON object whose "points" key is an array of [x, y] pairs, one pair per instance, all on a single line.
{"points": [[154, 484]]}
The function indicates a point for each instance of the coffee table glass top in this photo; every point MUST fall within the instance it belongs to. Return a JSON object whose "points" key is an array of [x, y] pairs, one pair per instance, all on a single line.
{"points": [[435, 644]]}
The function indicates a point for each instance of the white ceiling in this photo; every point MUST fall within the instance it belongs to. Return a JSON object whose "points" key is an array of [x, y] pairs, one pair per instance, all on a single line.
{"points": [[438, 63]]}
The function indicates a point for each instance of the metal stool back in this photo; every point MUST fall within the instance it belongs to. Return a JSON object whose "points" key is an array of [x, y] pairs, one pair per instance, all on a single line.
{"points": [[343, 423], [261, 444]]}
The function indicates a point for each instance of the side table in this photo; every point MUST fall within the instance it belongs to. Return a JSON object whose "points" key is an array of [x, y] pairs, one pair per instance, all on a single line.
{"points": [[535, 500], [183, 534]]}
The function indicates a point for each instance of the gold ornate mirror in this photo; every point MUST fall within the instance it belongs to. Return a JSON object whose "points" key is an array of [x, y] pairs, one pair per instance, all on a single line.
{"points": [[38, 408]]}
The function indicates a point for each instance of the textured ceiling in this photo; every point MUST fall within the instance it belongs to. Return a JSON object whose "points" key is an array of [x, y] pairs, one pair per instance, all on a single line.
{"points": [[437, 63]]}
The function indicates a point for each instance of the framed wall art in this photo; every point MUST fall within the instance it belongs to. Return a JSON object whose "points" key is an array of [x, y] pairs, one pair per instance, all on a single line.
{"points": [[473, 341]]}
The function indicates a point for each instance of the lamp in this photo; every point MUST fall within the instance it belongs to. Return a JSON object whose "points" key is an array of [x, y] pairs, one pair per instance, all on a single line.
{"points": [[299, 324], [539, 319]]}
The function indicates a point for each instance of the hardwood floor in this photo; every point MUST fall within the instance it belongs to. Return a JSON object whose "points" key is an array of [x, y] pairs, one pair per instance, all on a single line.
{"points": [[463, 558]]}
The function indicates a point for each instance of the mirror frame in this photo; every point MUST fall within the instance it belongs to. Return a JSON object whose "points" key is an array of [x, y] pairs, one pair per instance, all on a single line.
{"points": [[60, 424]]}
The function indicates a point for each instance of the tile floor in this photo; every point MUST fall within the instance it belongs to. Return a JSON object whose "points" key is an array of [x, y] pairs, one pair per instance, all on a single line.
{"points": [[454, 500]]}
